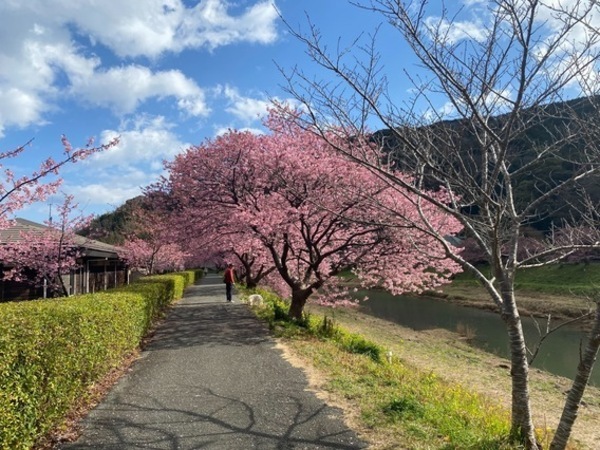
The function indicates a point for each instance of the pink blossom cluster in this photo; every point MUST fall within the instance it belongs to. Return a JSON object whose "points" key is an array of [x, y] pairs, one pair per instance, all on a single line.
{"points": [[153, 247], [16, 192], [303, 214], [43, 256]]}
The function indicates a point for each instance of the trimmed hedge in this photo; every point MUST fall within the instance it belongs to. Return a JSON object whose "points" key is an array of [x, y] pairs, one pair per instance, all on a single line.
{"points": [[53, 351]]}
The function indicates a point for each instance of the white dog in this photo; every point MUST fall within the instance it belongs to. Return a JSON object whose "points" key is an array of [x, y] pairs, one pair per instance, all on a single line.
{"points": [[255, 300]]}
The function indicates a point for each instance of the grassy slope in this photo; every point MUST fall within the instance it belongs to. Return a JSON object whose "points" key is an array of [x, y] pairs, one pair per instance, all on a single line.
{"points": [[450, 358], [558, 290]]}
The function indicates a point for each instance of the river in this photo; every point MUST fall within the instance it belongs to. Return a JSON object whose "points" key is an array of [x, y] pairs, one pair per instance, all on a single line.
{"points": [[559, 353]]}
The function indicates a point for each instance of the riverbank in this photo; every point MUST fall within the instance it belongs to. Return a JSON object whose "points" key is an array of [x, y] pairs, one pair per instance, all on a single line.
{"points": [[446, 355], [530, 303], [561, 290], [565, 291]]}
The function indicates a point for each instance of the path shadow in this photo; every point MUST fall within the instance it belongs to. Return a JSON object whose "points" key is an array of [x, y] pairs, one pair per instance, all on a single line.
{"points": [[231, 424]]}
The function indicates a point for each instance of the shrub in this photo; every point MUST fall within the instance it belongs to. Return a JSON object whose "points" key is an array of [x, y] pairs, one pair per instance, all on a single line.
{"points": [[52, 351], [355, 343], [275, 310]]}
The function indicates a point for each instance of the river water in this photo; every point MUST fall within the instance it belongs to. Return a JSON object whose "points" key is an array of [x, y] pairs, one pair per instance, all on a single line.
{"points": [[559, 353]]}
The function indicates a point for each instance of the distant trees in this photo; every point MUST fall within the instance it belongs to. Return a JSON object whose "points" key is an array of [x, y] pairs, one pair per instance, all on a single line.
{"points": [[151, 256], [496, 78], [152, 246], [114, 227], [291, 208]]}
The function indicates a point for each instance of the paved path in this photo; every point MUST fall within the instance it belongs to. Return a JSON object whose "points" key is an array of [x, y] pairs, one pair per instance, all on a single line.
{"points": [[212, 378]]}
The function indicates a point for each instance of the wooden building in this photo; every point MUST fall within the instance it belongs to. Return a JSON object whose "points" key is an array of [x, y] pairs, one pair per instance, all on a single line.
{"points": [[100, 267]]}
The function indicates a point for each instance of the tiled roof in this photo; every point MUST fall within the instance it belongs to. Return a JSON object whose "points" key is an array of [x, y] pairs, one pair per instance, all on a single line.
{"points": [[13, 234]]}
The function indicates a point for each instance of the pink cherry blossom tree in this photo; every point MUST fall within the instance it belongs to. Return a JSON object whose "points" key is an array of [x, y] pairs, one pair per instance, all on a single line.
{"points": [[151, 256], [18, 191], [48, 254], [312, 213], [153, 247], [43, 255]]}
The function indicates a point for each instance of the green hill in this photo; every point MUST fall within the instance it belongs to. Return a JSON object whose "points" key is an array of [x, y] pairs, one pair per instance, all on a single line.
{"points": [[540, 128], [114, 227]]}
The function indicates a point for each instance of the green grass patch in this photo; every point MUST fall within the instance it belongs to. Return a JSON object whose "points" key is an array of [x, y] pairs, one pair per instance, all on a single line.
{"points": [[563, 279], [411, 408]]}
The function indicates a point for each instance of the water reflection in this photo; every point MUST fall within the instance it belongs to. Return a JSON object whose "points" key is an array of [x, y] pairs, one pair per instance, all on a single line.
{"points": [[559, 353]]}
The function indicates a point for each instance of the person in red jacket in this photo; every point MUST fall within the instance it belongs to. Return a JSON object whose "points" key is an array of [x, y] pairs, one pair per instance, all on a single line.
{"points": [[229, 279]]}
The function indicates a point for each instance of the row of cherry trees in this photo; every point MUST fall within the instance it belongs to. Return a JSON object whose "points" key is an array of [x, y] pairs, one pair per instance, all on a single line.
{"points": [[294, 214], [152, 246]]}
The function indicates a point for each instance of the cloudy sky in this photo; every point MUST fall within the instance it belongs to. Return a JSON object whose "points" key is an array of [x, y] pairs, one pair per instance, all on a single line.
{"points": [[161, 74]]}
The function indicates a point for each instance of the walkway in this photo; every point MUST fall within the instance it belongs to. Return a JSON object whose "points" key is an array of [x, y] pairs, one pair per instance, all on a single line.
{"points": [[212, 378]]}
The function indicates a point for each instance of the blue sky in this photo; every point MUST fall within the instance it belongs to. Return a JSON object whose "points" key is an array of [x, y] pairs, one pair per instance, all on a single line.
{"points": [[162, 74]]}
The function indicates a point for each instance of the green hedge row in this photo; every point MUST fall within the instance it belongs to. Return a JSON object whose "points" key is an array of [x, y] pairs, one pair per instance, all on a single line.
{"points": [[53, 351]]}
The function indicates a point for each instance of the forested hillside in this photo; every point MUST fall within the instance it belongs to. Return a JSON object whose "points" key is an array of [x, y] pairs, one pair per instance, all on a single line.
{"points": [[114, 227], [541, 126]]}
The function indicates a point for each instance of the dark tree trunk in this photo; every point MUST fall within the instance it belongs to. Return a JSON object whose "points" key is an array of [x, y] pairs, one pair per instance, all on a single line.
{"points": [[251, 279], [250, 282], [299, 297]]}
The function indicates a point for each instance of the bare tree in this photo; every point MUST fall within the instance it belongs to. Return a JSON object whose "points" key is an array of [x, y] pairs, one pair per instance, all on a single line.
{"points": [[492, 121]]}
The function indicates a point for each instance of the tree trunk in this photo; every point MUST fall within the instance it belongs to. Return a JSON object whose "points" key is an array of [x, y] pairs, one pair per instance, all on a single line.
{"points": [[250, 283], [299, 297], [522, 423], [584, 370], [63, 287]]}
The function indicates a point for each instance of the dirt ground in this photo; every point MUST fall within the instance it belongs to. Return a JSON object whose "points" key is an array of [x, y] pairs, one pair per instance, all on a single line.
{"points": [[450, 357]]}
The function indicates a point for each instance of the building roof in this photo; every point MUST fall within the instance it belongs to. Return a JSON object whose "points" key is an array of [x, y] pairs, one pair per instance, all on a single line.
{"points": [[91, 247]]}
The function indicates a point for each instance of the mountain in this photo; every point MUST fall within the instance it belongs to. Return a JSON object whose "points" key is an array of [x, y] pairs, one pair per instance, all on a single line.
{"points": [[114, 227], [537, 128]]}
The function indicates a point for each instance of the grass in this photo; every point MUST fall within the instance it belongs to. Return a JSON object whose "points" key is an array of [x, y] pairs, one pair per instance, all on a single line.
{"points": [[438, 392], [578, 279], [396, 404], [562, 290], [413, 409]]}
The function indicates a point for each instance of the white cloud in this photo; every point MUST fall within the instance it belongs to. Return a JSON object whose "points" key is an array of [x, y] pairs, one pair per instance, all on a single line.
{"points": [[249, 110], [121, 89], [159, 26], [48, 52], [570, 62], [222, 130], [19, 108], [142, 139], [119, 173], [113, 194], [106, 180], [245, 108], [451, 32], [471, 3], [124, 88], [169, 26]]}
